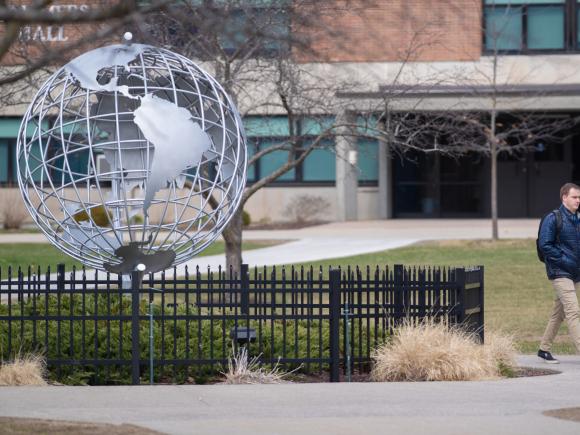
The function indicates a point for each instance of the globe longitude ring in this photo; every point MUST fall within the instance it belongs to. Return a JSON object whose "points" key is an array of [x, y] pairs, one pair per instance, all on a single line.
{"points": [[131, 155]]}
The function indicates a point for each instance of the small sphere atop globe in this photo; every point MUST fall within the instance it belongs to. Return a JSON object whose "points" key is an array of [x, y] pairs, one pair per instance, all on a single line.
{"points": [[129, 151]]}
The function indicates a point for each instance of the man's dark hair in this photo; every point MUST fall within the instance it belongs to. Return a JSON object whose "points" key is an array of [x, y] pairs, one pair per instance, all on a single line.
{"points": [[565, 189]]}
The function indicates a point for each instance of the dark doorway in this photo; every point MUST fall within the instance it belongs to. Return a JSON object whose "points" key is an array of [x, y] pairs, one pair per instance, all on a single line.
{"points": [[528, 186], [431, 185], [434, 185]]}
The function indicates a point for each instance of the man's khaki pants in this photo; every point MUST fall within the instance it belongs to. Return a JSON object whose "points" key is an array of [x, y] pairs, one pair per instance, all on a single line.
{"points": [[565, 307]]}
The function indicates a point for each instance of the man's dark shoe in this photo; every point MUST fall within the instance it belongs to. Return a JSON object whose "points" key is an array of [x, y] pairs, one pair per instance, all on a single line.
{"points": [[547, 357]]}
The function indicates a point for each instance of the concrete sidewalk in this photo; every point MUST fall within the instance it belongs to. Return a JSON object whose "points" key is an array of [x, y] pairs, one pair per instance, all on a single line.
{"points": [[512, 406], [345, 239]]}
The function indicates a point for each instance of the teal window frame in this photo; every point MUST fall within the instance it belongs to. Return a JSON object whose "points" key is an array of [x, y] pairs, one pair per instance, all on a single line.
{"points": [[528, 26], [368, 162], [6, 151], [262, 130], [239, 23], [320, 165]]}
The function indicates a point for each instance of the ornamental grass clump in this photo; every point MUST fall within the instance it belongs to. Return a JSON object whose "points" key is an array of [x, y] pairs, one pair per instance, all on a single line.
{"points": [[434, 351], [245, 370], [24, 370], [501, 348]]}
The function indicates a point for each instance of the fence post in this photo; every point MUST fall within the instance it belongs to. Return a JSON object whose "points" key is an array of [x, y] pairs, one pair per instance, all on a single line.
{"points": [[460, 298], [334, 280], [20, 285], [60, 277], [399, 301], [481, 307], [136, 280], [244, 289]]}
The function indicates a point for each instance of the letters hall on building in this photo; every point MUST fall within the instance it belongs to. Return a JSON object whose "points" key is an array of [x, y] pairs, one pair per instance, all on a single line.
{"points": [[518, 59]]}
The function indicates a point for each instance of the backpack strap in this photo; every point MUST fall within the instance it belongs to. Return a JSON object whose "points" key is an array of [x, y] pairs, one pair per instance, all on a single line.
{"points": [[558, 215]]}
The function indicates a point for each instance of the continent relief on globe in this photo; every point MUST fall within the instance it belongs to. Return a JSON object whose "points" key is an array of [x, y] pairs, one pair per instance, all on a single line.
{"points": [[179, 142], [99, 215]]}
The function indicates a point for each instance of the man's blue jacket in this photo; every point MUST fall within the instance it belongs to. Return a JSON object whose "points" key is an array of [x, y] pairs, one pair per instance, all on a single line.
{"points": [[562, 259]]}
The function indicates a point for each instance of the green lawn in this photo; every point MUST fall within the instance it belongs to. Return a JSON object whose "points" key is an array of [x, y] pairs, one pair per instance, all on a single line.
{"points": [[43, 254], [518, 296]]}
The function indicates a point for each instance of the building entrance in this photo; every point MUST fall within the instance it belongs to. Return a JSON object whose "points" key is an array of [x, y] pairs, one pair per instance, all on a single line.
{"points": [[529, 186], [434, 185], [437, 186]]}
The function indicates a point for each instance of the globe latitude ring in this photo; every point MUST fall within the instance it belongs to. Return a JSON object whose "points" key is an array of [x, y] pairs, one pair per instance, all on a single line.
{"points": [[131, 155]]}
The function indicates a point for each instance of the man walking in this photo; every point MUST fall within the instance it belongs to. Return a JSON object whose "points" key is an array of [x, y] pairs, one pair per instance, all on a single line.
{"points": [[559, 241]]}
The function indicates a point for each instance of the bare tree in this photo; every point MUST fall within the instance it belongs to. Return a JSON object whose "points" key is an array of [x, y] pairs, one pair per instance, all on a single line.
{"points": [[496, 129], [255, 52], [475, 118], [32, 36]]}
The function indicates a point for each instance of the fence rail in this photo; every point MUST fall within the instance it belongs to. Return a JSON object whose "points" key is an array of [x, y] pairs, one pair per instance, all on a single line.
{"points": [[93, 327]]}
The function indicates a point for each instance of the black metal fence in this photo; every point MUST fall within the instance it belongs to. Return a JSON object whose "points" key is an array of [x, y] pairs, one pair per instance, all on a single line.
{"points": [[92, 328]]}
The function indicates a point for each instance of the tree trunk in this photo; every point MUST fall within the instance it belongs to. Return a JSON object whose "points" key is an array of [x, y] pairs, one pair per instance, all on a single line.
{"points": [[494, 224], [493, 156], [494, 151], [232, 235]]}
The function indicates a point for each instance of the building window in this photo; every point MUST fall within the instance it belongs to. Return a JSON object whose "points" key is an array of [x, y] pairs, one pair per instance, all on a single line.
{"points": [[274, 160], [7, 162], [209, 28], [520, 26], [317, 168], [368, 162], [269, 27], [320, 165], [435, 185]]}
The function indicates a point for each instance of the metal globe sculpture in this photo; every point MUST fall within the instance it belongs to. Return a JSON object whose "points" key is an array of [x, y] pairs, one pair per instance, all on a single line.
{"points": [[131, 157]]}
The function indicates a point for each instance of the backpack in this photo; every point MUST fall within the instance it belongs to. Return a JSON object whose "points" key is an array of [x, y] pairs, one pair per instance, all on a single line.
{"points": [[558, 215]]}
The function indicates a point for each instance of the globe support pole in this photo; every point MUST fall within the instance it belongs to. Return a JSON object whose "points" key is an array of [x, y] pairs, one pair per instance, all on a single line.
{"points": [[136, 284]]}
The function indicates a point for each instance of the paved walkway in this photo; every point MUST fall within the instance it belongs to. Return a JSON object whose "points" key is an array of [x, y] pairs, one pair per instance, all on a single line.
{"points": [[345, 239], [512, 406]]}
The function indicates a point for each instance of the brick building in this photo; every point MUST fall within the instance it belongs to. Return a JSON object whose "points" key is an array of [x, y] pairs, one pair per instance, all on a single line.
{"points": [[513, 56]]}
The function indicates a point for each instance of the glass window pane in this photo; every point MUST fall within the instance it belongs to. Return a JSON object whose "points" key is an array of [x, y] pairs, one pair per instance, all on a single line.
{"points": [[35, 163], [461, 169], [522, 2], [272, 161], [266, 126], [320, 165], [279, 28], [3, 161], [234, 34], [368, 162], [503, 28], [541, 18], [415, 167], [14, 162], [460, 199], [251, 172], [76, 164], [578, 26], [415, 199]]}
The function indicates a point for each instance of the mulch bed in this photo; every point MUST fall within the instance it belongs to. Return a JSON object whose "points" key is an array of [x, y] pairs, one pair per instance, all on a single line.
{"points": [[571, 414], [522, 372], [15, 425], [357, 376]]}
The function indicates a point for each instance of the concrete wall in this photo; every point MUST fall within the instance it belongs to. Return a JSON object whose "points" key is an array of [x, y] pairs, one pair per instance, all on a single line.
{"points": [[271, 204]]}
